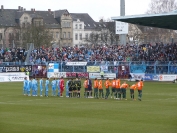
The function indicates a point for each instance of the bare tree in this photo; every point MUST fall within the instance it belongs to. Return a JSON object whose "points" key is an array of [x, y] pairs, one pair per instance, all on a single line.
{"points": [[110, 25], [93, 38], [38, 35], [159, 34], [104, 33], [161, 6], [134, 34]]}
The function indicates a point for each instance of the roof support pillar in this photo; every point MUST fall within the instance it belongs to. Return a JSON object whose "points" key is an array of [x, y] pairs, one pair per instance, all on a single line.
{"points": [[122, 37]]}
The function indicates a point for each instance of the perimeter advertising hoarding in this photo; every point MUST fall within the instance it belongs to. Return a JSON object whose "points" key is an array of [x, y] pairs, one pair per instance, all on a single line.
{"points": [[75, 74], [22, 68], [98, 76], [67, 74], [93, 68]]}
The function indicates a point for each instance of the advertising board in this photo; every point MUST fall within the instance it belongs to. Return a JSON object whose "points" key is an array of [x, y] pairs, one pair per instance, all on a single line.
{"points": [[167, 77], [98, 76], [56, 74], [13, 78]]}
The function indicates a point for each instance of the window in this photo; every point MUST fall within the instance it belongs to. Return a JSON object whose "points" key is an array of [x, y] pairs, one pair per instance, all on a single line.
{"points": [[66, 24], [64, 34], [76, 36], [69, 36], [37, 23], [76, 26], [57, 35], [80, 36], [80, 26], [69, 24], [63, 24], [25, 17], [0, 36], [86, 36]]}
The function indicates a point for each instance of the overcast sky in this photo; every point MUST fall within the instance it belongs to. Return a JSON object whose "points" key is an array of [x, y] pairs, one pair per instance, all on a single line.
{"points": [[95, 8]]}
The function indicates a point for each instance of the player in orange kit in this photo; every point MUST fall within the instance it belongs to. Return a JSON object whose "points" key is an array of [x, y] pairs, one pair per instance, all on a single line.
{"points": [[132, 90], [140, 87], [123, 88], [86, 88], [95, 88], [100, 88], [117, 90], [113, 85], [107, 85]]}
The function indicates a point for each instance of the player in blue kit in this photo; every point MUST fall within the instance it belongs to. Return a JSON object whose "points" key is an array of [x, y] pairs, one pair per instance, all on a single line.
{"points": [[46, 87], [67, 88], [25, 85], [33, 86], [58, 86], [29, 87], [41, 86], [53, 83], [36, 87]]}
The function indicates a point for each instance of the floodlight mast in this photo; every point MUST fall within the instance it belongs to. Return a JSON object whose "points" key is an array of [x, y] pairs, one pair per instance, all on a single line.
{"points": [[122, 13]]}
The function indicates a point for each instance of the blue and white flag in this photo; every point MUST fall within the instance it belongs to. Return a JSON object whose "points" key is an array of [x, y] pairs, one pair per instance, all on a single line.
{"points": [[53, 67]]}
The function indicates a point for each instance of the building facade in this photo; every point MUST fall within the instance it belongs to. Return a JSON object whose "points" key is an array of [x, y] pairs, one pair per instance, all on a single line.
{"points": [[65, 29]]}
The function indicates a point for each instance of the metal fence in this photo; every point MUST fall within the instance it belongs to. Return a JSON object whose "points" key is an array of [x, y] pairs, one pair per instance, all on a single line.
{"points": [[121, 68]]}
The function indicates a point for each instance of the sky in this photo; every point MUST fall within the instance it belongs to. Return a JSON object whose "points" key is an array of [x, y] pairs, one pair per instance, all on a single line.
{"points": [[97, 9]]}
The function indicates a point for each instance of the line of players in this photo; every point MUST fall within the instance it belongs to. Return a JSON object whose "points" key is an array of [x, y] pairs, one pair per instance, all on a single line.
{"points": [[73, 88], [118, 90], [31, 86]]}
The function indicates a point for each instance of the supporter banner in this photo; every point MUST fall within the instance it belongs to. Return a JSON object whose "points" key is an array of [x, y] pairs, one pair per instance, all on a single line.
{"points": [[98, 76], [13, 74], [79, 74], [137, 68], [22, 68], [151, 77], [40, 71], [76, 63], [93, 68], [104, 68], [167, 77], [53, 67], [123, 71], [13, 78], [56, 74], [137, 76]]}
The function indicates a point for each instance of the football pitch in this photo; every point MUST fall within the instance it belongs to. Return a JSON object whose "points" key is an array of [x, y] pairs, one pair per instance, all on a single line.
{"points": [[156, 113]]}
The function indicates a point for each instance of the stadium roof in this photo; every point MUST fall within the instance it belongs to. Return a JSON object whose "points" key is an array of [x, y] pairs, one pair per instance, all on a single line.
{"points": [[164, 20]]}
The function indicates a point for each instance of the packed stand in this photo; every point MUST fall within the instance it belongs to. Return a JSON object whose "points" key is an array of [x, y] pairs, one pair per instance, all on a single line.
{"points": [[93, 54]]}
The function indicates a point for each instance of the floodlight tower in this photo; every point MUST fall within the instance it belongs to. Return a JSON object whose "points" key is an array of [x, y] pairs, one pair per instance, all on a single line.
{"points": [[122, 13]]}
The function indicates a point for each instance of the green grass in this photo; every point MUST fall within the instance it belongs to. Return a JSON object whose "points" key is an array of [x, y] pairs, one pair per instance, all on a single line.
{"points": [[156, 113]]}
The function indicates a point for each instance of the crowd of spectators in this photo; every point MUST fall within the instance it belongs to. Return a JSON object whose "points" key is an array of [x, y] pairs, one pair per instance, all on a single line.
{"points": [[99, 54], [92, 53]]}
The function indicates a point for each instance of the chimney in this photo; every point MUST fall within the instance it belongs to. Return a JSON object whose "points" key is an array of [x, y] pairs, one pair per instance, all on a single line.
{"points": [[2, 7], [31, 9], [34, 9], [19, 7], [24, 9], [49, 10], [101, 21]]}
